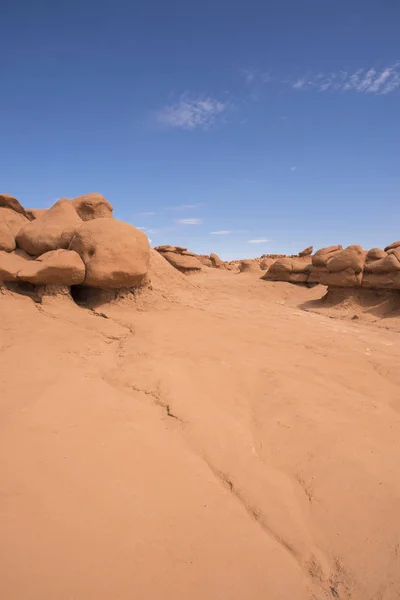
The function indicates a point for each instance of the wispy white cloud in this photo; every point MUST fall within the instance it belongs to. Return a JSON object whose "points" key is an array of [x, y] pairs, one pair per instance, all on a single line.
{"points": [[252, 75], [293, 168], [191, 112], [190, 221], [257, 241], [370, 81], [221, 232], [185, 206]]}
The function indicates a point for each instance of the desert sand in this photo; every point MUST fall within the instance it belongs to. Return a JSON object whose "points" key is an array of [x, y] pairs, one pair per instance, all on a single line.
{"points": [[213, 437]]}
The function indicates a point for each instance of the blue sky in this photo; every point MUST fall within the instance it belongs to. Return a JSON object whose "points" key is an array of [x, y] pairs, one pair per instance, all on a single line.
{"points": [[229, 126]]}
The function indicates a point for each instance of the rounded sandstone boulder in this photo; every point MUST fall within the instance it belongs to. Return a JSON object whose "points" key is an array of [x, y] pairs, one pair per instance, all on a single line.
{"points": [[10, 224], [352, 257], [216, 261], [92, 206], [182, 262], [249, 266], [322, 256], [116, 254], [54, 230], [57, 266]]}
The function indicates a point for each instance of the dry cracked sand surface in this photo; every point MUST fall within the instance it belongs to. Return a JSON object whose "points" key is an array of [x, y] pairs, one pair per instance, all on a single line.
{"points": [[222, 443]]}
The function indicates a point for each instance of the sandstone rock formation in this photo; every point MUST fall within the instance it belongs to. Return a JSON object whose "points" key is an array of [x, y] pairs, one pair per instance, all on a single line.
{"points": [[205, 260], [216, 262], [11, 263], [54, 230], [8, 201], [56, 266], [115, 254], [92, 206], [180, 258], [336, 267], [392, 246], [11, 221], [307, 251], [249, 266], [35, 213], [294, 270], [55, 249]]}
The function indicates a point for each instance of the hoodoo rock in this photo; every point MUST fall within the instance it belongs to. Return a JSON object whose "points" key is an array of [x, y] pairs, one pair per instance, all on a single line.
{"points": [[56, 266], [116, 254], [92, 206], [54, 230]]}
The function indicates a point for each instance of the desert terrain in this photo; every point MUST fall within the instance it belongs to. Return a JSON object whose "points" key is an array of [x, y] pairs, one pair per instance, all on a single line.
{"points": [[176, 426], [213, 436]]}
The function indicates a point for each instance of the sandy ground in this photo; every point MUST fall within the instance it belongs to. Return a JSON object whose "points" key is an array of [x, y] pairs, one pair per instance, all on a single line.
{"points": [[221, 444]]}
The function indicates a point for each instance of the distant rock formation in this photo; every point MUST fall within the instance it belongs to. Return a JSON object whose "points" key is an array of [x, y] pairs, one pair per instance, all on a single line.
{"points": [[249, 266], [180, 258], [336, 266]]}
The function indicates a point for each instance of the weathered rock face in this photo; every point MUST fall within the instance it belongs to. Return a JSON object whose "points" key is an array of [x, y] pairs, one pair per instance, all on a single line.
{"points": [[205, 260], [10, 224], [393, 245], [14, 220], [294, 270], [7, 201], [307, 251], [322, 256], [182, 262], [116, 254], [265, 263], [181, 258], [11, 263], [35, 213], [249, 266], [7, 239], [216, 262], [92, 206], [54, 230], [336, 267], [56, 266]]}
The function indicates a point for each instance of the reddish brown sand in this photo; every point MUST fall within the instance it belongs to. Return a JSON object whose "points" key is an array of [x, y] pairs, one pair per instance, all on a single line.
{"points": [[215, 443]]}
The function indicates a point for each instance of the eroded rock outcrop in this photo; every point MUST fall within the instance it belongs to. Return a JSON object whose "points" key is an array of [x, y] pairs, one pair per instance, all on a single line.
{"points": [[180, 258], [249, 266], [115, 254], [92, 206], [338, 267], [54, 230], [54, 249]]}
